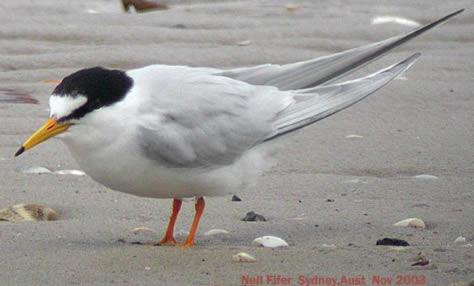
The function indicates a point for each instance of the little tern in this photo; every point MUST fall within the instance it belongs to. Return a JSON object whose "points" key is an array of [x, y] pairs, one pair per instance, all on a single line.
{"points": [[185, 132]]}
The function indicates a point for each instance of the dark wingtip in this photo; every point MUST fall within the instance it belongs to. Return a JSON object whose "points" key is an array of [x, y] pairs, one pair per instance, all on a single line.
{"points": [[21, 150]]}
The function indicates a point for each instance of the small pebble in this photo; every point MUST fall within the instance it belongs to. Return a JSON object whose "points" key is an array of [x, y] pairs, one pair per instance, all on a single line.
{"points": [[236, 198], [252, 216], [392, 242], [243, 257], [269, 242]]}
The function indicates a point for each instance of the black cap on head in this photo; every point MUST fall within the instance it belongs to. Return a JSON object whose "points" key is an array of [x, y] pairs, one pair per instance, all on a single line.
{"points": [[101, 87]]}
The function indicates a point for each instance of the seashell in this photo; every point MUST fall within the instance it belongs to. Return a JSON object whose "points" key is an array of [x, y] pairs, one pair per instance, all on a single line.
{"points": [[460, 240], [399, 248], [216, 231], [328, 246], [269, 241], [244, 43], [143, 229], [425, 177], [411, 222], [35, 170], [27, 212], [243, 257], [354, 136], [70, 172]]}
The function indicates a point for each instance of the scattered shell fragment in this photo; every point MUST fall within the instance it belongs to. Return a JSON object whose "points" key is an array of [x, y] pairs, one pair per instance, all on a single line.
{"points": [[291, 7], [425, 177], [460, 240], [143, 229], [398, 248], [70, 172], [392, 242], [35, 170], [244, 43], [354, 136], [27, 212], [252, 216], [243, 257], [269, 242], [411, 222], [421, 260], [328, 246], [216, 231]]}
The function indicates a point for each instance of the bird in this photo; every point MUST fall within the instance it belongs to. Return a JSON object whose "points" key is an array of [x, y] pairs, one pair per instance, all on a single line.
{"points": [[179, 132]]}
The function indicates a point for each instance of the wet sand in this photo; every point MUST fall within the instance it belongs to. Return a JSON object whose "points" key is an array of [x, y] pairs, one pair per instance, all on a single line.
{"points": [[419, 124]]}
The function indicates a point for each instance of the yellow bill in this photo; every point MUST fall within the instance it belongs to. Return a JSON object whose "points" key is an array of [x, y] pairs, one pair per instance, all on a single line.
{"points": [[49, 129]]}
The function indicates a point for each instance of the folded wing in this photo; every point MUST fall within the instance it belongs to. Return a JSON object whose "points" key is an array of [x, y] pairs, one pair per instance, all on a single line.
{"points": [[316, 103]]}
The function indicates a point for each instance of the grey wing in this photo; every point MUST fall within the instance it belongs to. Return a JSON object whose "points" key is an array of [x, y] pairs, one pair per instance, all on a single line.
{"points": [[326, 69], [209, 122], [314, 104]]}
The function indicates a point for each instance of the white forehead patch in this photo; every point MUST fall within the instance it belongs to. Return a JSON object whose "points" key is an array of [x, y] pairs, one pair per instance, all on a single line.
{"points": [[64, 105]]}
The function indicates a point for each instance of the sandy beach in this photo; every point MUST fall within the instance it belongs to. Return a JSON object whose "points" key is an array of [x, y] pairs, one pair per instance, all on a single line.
{"points": [[325, 188]]}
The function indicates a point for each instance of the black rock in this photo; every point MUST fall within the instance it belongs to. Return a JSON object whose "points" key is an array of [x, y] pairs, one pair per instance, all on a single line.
{"points": [[330, 200], [236, 199], [392, 241], [252, 216]]}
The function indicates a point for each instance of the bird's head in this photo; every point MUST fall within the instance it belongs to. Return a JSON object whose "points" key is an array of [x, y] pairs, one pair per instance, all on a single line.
{"points": [[77, 96]]}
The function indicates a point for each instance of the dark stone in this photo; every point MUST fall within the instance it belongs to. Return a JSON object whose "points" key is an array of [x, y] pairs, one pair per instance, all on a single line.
{"points": [[252, 216], [330, 200], [392, 241], [180, 26], [236, 199]]}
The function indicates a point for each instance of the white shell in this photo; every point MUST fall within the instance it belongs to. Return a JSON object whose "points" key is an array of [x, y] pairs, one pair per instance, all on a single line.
{"points": [[216, 231], [328, 246], [243, 257], [460, 240], [70, 172], [36, 170], [411, 222], [425, 177], [244, 43], [354, 136], [269, 241], [143, 229]]}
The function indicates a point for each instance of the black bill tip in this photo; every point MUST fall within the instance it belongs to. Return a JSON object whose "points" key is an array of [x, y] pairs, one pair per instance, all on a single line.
{"points": [[21, 150]]}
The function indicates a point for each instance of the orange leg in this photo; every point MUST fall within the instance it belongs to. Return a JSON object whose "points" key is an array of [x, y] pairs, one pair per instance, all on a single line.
{"points": [[169, 235], [199, 210]]}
